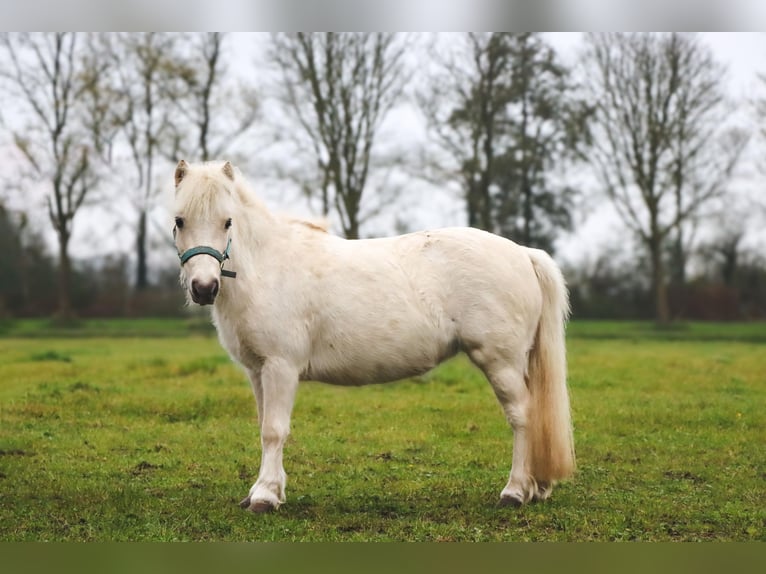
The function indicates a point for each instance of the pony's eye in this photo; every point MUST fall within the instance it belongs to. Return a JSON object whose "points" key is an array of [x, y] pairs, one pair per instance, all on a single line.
{"points": [[227, 224], [180, 222]]}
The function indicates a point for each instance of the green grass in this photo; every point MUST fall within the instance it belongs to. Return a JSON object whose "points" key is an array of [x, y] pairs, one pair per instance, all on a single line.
{"points": [[114, 328], [128, 438], [754, 332]]}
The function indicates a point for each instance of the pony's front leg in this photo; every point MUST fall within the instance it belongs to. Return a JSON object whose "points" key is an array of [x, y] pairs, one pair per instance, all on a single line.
{"points": [[275, 394]]}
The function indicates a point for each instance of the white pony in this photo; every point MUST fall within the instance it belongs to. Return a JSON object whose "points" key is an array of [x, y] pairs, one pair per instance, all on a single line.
{"points": [[307, 305]]}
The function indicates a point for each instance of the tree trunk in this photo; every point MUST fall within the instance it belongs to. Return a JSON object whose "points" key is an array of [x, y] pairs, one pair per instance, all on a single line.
{"points": [[486, 207], [353, 230], [23, 270], [472, 204], [349, 205], [64, 279], [679, 261], [479, 205], [527, 192], [526, 188], [141, 267], [659, 288], [729, 266]]}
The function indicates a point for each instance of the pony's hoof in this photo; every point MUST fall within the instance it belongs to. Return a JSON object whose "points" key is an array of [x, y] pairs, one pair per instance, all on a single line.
{"points": [[509, 500], [262, 507], [259, 506], [543, 491]]}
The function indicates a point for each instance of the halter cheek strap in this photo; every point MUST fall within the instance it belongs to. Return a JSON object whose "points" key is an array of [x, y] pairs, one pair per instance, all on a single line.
{"points": [[205, 250]]}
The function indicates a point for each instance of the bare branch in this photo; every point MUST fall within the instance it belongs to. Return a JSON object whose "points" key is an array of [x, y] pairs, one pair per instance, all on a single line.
{"points": [[658, 117], [47, 72], [337, 89]]}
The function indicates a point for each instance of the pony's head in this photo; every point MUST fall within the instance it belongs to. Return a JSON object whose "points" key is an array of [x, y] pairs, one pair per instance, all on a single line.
{"points": [[205, 211]]}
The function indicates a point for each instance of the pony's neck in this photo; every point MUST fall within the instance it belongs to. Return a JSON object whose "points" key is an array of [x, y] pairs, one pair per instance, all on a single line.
{"points": [[254, 228]]}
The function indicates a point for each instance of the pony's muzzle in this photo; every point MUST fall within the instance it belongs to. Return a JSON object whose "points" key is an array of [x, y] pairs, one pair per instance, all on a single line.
{"points": [[204, 293]]}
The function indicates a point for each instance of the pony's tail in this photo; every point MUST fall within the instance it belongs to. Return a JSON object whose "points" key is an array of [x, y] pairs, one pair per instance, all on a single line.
{"points": [[549, 421]]}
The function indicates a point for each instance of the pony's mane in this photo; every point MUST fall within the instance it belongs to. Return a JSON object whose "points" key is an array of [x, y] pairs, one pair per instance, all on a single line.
{"points": [[202, 188], [320, 226], [208, 182]]}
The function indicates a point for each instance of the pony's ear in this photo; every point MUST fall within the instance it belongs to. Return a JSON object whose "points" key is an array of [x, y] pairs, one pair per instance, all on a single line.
{"points": [[181, 170], [228, 170]]}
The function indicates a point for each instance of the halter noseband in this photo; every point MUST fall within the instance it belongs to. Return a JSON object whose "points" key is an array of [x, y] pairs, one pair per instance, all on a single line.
{"points": [[205, 250]]}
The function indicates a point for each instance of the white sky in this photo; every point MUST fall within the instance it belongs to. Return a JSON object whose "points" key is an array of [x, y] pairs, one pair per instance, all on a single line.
{"points": [[422, 205], [744, 54]]}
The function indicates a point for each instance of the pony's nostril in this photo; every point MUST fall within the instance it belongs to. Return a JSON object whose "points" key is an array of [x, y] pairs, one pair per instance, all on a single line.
{"points": [[204, 290]]}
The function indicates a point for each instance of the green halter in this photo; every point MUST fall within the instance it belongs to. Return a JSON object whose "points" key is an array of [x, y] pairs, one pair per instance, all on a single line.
{"points": [[205, 250]]}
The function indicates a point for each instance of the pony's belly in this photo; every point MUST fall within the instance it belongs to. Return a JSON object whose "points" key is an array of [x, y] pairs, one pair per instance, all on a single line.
{"points": [[351, 369], [357, 377]]}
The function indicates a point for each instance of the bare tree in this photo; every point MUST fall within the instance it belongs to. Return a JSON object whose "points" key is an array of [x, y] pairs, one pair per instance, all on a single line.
{"points": [[147, 70], [659, 104], [503, 110], [51, 75], [758, 109], [473, 83], [220, 113], [338, 88]]}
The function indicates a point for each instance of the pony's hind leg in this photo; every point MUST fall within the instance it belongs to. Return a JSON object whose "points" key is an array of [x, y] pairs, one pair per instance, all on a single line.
{"points": [[508, 381]]}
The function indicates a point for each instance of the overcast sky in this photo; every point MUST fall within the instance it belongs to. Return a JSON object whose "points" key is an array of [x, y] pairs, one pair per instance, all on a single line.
{"points": [[423, 205], [744, 54]]}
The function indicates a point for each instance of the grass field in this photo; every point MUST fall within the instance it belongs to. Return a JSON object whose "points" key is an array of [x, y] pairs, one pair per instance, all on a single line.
{"points": [[129, 437]]}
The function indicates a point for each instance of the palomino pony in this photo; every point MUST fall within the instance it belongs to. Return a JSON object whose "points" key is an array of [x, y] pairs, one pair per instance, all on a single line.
{"points": [[307, 305]]}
